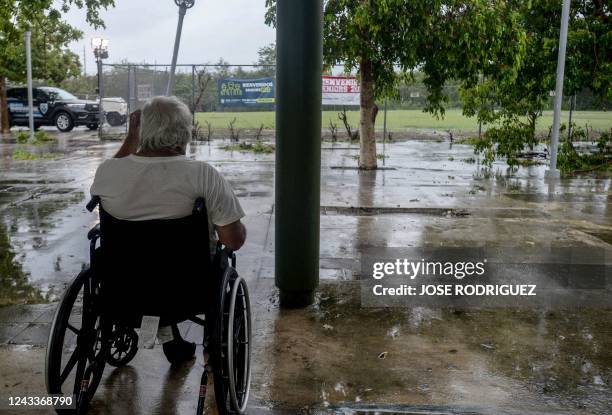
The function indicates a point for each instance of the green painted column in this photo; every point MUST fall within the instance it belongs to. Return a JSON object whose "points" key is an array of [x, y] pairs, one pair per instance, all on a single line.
{"points": [[299, 49]]}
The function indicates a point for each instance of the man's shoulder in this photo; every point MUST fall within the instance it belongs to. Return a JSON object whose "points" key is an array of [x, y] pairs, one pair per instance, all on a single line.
{"points": [[202, 167], [114, 166], [186, 164], [110, 164]]}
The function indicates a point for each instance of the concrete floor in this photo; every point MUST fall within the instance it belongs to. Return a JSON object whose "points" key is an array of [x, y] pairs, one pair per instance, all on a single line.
{"points": [[327, 358]]}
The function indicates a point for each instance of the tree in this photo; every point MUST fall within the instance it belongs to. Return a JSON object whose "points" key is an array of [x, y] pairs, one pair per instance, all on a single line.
{"points": [[508, 97], [267, 58], [385, 41], [204, 79], [51, 59]]}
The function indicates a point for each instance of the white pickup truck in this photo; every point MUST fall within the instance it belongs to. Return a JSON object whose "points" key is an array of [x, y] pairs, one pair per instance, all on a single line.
{"points": [[115, 110]]}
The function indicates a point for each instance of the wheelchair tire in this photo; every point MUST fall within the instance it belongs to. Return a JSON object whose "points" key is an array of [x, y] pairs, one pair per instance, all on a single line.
{"points": [[86, 360], [232, 340]]}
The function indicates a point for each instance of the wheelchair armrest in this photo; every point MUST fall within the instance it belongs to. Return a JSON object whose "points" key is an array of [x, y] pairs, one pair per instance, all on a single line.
{"points": [[225, 255], [94, 233]]}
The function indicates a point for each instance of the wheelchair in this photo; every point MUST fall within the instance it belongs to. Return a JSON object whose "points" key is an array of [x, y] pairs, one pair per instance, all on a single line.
{"points": [[126, 279]]}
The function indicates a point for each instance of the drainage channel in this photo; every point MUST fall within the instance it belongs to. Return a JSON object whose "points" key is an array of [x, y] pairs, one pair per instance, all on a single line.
{"points": [[406, 410], [432, 211], [374, 210]]}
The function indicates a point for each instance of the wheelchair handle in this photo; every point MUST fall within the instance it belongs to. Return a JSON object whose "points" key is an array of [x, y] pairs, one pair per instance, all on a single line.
{"points": [[93, 202]]}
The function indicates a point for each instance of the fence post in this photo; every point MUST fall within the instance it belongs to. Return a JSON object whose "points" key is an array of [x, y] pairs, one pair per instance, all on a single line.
{"points": [[28, 47], [129, 97], [101, 97], [134, 83], [129, 88], [299, 39], [385, 133], [193, 86], [572, 102]]}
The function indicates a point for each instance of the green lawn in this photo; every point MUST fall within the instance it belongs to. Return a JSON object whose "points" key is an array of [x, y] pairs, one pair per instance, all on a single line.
{"points": [[400, 120]]}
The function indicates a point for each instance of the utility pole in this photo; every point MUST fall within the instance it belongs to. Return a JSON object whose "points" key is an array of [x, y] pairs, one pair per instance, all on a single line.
{"points": [[553, 172], [183, 5], [28, 45]]}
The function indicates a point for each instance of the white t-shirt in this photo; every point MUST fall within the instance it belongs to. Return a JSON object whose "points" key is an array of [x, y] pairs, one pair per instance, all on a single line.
{"points": [[144, 188]]}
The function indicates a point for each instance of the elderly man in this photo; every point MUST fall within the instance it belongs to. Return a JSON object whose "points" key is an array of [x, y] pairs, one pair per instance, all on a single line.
{"points": [[151, 178]]}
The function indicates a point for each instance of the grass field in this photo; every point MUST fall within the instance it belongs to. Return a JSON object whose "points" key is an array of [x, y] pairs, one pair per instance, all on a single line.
{"points": [[399, 120]]}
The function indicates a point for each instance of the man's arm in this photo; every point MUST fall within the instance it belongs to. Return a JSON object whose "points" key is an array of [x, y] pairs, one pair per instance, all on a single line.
{"points": [[232, 235], [130, 144]]}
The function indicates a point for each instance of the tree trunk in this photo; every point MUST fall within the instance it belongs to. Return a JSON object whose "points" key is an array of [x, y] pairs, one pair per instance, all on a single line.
{"points": [[4, 122], [367, 138]]}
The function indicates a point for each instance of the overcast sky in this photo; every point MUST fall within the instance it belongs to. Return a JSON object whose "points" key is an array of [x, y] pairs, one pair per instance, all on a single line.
{"points": [[143, 31]]}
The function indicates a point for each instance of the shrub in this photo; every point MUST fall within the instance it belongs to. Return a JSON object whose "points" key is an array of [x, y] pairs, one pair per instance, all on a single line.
{"points": [[23, 137], [41, 136], [259, 147], [26, 155]]}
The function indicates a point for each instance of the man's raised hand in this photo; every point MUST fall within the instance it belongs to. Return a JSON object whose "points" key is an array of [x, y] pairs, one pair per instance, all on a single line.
{"points": [[130, 144]]}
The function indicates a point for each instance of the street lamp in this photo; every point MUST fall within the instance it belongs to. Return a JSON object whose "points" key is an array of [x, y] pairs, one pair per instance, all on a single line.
{"points": [[553, 172], [100, 47], [100, 50], [183, 5]]}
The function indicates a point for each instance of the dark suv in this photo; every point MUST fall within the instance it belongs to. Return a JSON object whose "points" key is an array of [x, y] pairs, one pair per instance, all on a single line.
{"points": [[52, 106]]}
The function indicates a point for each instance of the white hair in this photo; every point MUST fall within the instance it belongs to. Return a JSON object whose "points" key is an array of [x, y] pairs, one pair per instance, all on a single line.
{"points": [[165, 123]]}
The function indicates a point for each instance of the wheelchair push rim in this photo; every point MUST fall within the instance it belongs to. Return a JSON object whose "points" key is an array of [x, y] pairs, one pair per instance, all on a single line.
{"points": [[239, 296], [86, 360], [229, 402]]}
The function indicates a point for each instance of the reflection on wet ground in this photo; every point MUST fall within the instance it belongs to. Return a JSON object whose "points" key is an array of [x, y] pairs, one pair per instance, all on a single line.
{"points": [[336, 356], [14, 284]]}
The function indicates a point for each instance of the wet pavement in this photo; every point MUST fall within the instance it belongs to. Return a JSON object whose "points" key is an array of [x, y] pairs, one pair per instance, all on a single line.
{"points": [[334, 356]]}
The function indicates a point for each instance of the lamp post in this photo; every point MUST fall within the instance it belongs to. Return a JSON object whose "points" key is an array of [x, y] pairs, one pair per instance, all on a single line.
{"points": [[183, 5], [100, 49], [552, 171]]}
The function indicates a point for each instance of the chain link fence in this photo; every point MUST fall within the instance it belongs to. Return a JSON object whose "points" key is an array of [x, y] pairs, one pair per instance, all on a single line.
{"points": [[126, 87]]}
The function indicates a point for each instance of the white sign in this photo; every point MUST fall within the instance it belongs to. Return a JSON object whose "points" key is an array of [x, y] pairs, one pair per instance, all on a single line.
{"points": [[340, 90], [144, 92]]}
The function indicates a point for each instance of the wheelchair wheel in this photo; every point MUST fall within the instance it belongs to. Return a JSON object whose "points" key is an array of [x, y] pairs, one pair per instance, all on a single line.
{"points": [[123, 346], [233, 345], [75, 351]]}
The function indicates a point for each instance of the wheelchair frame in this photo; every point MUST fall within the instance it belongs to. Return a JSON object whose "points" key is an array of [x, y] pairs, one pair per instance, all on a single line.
{"points": [[100, 340]]}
